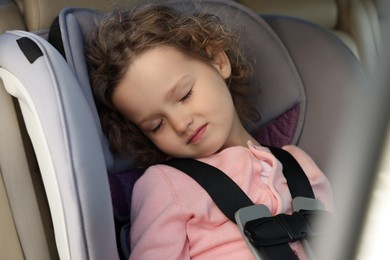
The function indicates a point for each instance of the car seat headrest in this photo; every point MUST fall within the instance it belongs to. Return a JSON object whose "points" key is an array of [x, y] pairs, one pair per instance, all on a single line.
{"points": [[275, 76]]}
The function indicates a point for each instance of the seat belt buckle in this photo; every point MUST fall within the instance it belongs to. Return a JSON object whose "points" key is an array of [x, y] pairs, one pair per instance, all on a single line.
{"points": [[285, 228], [246, 214], [260, 229], [303, 203]]}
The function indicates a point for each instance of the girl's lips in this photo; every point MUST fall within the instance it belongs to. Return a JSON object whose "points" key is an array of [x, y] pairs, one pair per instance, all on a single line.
{"points": [[197, 135]]}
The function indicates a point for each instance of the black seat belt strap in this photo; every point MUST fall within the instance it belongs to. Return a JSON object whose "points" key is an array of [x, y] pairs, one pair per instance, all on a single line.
{"points": [[297, 181], [224, 191]]}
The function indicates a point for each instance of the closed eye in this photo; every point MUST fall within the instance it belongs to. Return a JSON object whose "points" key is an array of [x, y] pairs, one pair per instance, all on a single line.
{"points": [[187, 96], [158, 127]]}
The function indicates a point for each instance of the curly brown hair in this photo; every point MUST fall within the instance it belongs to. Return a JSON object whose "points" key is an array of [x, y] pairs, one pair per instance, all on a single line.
{"points": [[121, 36]]}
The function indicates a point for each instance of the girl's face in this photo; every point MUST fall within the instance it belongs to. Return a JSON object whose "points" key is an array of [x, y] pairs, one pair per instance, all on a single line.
{"points": [[182, 104]]}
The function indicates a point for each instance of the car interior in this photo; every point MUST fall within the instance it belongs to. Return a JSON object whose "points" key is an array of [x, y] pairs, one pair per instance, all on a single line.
{"points": [[63, 195]]}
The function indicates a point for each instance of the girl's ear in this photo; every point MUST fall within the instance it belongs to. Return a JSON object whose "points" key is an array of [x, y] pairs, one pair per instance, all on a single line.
{"points": [[222, 64]]}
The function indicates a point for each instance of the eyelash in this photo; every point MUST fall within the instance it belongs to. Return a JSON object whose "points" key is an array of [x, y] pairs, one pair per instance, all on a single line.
{"points": [[154, 130], [187, 96]]}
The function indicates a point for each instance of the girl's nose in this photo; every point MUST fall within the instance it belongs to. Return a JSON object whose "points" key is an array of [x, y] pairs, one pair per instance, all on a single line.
{"points": [[180, 121]]}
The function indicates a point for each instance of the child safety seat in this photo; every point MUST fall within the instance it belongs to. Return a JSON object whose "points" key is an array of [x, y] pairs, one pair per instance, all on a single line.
{"points": [[298, 68]]}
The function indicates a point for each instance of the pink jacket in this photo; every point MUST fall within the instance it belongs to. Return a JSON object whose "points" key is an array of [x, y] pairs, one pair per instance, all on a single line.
{"points": [[174, 218]]}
